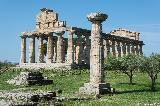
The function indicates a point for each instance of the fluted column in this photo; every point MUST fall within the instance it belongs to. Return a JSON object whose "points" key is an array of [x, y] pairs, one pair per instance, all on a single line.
{"points": [[108, 47], [23, 49], [118, 49], [113, 48], [55, 49], [87, 50], [136, 49], [32, 49], [97, 83], [49, 57], [123, 48], [132, 48], [128, 48], [60, 48], [40, 49], [96, 66], [140, 49], [70, 47], [79, 48]]}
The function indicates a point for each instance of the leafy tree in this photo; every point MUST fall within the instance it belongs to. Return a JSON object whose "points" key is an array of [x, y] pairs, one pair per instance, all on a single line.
{"points": [[111, 63], [151, 65], [126, 64]]}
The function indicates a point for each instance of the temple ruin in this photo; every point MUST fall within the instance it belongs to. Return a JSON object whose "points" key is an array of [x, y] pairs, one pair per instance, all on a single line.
{"points": [[75, 49]]}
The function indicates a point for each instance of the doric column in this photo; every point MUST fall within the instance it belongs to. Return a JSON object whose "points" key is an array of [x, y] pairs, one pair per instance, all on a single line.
{"points": [[123, 48], [32, 49], [70, 47], [128, 48], [140, 49], [40, 49], [79, 48], [108, 45], [132, 48], [55, 49], [60, 48], [23, 49], [97, 83], [118, 49], [136, 49], [87, 50], [113, 47], [49, 57]]}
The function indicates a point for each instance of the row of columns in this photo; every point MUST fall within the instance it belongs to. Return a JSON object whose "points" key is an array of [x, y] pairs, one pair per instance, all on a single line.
{"points": [[52, 50], [120, 48], [82, 54]]}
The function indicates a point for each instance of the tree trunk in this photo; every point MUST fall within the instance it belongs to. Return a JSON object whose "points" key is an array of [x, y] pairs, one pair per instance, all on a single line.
{"points": [[153, 85], [131, 78]]}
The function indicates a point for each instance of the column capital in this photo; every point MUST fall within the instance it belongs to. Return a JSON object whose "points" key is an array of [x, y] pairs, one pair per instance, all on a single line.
{"points": [[59, 32], [71, 31], [23, 35], [32, 36], [97, 17]]}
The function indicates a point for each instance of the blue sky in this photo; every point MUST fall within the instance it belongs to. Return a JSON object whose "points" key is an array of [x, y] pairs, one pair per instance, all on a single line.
{"points": [[138, 15]]}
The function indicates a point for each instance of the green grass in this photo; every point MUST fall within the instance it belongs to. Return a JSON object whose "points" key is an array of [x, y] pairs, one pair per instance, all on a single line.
{"points": [[138, 94]]}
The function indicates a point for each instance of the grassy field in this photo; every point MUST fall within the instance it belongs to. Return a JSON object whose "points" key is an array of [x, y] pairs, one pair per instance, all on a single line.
{"points": [[138, 94]]}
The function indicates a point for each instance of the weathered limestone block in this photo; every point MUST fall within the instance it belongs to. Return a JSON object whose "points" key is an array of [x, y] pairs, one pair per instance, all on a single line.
{"points": [[97, 83], [32, 49], [40, 49], [23, 49], [49, 58]]}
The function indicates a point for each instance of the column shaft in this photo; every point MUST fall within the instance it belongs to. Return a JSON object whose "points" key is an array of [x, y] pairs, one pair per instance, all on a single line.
{"points": [[128, 48], [140, 50], [97, 55], [70, 47], [32, 49], [49, 58], [60, 48], [23, 50], [40, 50], [108, 46], [113, 48], [124, 48]]}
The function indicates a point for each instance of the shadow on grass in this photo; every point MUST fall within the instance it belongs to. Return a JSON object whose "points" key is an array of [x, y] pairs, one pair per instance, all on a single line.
{"points": [[133, 91], [137, 84]]}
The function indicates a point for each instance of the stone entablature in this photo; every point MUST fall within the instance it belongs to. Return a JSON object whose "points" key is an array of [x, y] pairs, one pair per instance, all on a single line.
{"points": [[126, 33], [50, 30]]}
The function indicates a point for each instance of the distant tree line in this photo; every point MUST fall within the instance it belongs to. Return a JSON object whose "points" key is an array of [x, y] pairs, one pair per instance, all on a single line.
{"points": [[5, 65]]}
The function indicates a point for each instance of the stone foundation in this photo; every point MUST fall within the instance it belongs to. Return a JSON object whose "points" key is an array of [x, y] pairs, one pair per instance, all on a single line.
{"points": [[101, 88], [64, 66]]}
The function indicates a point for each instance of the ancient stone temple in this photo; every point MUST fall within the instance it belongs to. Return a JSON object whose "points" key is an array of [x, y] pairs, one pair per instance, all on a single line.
{"points": [[48, 47]]}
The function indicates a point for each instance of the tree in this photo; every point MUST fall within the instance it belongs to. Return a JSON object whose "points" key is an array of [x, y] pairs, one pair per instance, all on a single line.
{"points": [[151, 65], [126, 64], [111, 63]]}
